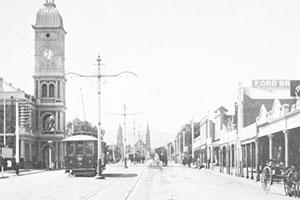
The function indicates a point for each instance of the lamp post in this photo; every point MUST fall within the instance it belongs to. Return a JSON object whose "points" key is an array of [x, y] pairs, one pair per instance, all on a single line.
{"points": [[99, 135], [50, 155]]}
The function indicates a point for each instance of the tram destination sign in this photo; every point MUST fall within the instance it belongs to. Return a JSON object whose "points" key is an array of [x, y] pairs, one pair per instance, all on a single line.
{"points": [[272, 84]]}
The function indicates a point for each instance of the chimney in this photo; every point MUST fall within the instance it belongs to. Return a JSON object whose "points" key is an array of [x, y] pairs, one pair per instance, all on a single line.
{"points": [[285, 108]]}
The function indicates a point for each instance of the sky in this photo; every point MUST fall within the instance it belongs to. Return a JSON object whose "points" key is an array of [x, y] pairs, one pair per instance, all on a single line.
{"points": [[189, 56]]}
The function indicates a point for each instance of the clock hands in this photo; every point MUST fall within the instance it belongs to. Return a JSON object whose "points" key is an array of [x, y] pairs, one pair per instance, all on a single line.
{"points": [[48, 54]]}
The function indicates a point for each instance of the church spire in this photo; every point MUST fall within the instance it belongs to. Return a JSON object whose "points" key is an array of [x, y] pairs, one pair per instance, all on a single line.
{"points": [[148, 140]]}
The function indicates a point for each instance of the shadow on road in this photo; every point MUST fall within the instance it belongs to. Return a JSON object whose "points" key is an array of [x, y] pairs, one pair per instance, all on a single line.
{"points": [[115, 175]]}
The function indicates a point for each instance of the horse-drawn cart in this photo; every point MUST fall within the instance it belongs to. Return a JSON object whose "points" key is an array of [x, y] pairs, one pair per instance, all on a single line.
{"points": [[276, 172]]}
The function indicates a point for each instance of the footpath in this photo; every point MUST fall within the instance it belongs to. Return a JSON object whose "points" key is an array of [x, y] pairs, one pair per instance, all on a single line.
{"points": [[22, 172], [110, 168], [275, 187]]}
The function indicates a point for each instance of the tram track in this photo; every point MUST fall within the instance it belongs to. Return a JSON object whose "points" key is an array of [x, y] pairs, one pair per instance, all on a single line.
{"points": [[35, 195], [134, 185], [94, 192]]}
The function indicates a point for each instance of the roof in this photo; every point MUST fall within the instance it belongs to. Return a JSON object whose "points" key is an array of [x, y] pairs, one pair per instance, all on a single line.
{"points": [[48, 17], [80, 138]]}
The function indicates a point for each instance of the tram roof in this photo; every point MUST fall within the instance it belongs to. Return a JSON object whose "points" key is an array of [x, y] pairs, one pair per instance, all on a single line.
{"points": [[80, 138]]}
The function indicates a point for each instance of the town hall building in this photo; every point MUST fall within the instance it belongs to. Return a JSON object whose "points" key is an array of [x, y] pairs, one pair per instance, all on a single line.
{"points": [[42, 117]]}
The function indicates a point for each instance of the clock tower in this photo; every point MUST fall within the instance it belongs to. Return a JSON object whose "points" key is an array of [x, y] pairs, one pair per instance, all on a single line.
{"points": [[49, 84]]}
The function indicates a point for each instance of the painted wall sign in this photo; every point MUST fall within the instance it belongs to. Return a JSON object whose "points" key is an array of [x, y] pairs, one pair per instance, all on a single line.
{"points": [[273, 84]]}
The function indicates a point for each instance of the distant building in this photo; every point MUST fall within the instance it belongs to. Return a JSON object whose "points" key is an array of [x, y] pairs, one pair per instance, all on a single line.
{"points": [[141, 147]]}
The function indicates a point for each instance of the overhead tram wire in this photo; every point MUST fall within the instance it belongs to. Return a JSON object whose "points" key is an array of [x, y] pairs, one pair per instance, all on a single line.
{"points": [[107, 29], [16, 32]]}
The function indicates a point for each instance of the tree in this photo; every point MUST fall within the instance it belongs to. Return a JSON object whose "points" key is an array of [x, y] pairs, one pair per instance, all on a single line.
{"points": [[82, 126]]}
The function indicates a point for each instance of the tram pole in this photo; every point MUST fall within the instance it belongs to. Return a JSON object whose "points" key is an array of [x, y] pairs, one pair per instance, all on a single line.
{"points": [[100, 160], [125, 149], [99, 154], [17, 139]]}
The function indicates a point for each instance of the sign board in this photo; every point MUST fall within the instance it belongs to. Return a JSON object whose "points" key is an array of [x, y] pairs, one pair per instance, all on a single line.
{"points": [[295, 88], [6, 152], [271, 84]]}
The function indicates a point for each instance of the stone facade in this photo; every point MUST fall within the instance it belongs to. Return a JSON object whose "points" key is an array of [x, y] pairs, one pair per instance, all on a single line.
{"points": [[42, 116]]}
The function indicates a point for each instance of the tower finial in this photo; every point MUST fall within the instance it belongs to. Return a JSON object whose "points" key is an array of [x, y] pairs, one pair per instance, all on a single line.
{"points": [[50, 3]]}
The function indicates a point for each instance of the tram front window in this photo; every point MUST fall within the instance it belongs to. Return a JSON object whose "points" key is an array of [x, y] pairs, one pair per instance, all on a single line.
{"points": [[79, 148], [70, 148], [88, 148]]}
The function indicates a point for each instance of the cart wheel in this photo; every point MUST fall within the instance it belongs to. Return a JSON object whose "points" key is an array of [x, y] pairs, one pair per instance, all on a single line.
{"points": [[266, 179]]}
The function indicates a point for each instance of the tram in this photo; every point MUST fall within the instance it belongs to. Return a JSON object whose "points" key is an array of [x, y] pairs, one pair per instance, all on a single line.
{"points": [[81, 151]]}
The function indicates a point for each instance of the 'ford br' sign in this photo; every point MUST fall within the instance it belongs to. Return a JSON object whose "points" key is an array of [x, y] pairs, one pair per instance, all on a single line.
{"points": [[271, 84]]}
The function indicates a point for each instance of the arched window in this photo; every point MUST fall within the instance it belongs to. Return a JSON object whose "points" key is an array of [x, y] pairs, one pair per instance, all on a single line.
{"points": [[48, 122], [44, 90], [51, 90]]}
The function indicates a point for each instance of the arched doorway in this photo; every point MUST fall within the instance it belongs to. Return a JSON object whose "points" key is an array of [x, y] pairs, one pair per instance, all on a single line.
{"points": [[47, 151]]}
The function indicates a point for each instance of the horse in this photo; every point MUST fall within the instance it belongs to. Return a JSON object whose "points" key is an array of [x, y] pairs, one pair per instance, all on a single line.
{"points": [[293, 179]]}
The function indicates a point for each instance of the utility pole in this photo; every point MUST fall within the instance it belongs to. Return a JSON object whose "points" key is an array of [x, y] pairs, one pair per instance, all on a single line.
{"points": [[99, 154], [4, 119], [134, 141], [125, 149], [17, 139], [193, 133], [100, 160]]}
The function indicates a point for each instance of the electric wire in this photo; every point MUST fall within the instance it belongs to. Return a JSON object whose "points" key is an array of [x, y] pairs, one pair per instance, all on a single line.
{"points": [[107, 30], [15, 32]]}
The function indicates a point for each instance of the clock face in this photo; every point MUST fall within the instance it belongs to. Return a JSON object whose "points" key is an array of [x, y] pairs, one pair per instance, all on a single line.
{"points": [[48, 54]]}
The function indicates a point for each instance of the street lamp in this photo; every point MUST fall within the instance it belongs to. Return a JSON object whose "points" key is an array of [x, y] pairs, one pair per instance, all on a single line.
{"points": [[99, 135]]}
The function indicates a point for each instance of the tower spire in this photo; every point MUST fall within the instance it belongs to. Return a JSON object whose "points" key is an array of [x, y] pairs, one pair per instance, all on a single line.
{"points": [[148, 140]]}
